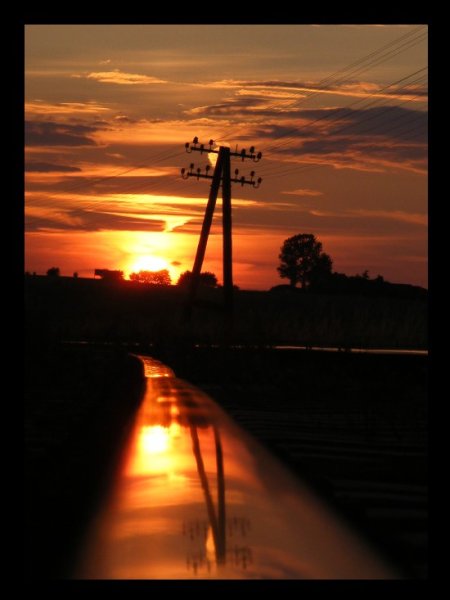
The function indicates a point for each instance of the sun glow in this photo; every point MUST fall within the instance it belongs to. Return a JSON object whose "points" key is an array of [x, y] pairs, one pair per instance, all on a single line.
{"points": [[148, 263], [152, 251]]}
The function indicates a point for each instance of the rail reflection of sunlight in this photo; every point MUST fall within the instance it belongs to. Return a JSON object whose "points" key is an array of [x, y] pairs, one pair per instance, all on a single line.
{"points": [[154, 439], [174, 421], [157, 453]]}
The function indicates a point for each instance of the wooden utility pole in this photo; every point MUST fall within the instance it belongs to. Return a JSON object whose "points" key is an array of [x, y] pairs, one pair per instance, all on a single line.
{"points": [[206, 227], [221, 175], [227, 253]]}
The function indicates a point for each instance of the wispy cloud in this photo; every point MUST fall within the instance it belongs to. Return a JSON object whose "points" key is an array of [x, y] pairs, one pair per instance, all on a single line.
{"points": [[230, 106], [121, 78], [373, 139], [39, 107], [304, 192], [352, 89], [89, 220], [394, 215], [50, 133], [267, 93], [43, 167]]}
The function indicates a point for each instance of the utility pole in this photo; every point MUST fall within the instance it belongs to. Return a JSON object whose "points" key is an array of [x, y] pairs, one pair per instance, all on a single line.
{"points": [[220, 176]]}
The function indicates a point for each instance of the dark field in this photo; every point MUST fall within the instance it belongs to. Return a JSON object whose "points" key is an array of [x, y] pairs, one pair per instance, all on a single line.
{"points": [[79, 403], [64, 308], [353, 425]]}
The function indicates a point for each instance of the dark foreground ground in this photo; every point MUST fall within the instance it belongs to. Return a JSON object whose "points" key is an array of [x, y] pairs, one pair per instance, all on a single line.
{"points": [[355, 426], [79, 403], [64, 308]]}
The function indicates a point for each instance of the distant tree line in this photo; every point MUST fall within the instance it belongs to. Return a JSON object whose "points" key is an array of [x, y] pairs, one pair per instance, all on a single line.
{"points": [[161, 277], [302, 261]]}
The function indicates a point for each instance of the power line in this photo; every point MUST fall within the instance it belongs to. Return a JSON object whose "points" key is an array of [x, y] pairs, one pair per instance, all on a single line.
{"points": [[165, 155], [396, 47], [342, 80], [354, 103], [276, 170], [301, 169]]}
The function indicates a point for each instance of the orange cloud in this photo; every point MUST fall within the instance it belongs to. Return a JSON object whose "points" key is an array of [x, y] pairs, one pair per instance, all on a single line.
{"points": [[304, 192], [396, 215], [38, 107], [357, 160], [168, 132], [270, 93], [121, 78], [357, 89]]}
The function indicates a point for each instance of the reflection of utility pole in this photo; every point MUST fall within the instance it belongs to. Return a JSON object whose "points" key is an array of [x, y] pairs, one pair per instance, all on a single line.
{"points": [[217, 522], [221, 523], [222, 173], [239, 553]]}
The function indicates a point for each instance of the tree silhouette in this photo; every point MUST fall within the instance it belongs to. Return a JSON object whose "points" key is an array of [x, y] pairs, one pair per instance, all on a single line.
{"points": [[53, 272], [321, 273], [302, 260], [152, 277], [207, 279]]}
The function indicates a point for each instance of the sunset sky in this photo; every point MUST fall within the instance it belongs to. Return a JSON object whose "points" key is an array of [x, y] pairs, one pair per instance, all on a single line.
{"points": [[338, 111]]}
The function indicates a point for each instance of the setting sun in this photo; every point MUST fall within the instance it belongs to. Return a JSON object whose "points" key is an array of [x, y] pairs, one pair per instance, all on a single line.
{"points": [[148, 263]]}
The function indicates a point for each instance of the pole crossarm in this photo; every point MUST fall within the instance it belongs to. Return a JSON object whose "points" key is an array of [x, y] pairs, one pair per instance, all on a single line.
{"points": [[243, 154], [199, 175]]}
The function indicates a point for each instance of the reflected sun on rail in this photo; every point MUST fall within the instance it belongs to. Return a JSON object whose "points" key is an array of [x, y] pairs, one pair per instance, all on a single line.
{"points": [[155, 439], [157, 450]]}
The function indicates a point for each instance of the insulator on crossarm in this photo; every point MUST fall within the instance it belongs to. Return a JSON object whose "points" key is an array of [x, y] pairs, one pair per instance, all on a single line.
{"points": [[188, 150], [243, 153], [198, 172], [191, 166], [202, 147], [195, 140], [211, 144], [236, 172], [242, 180], [252, 174], [207, 168], [257, 183]]}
